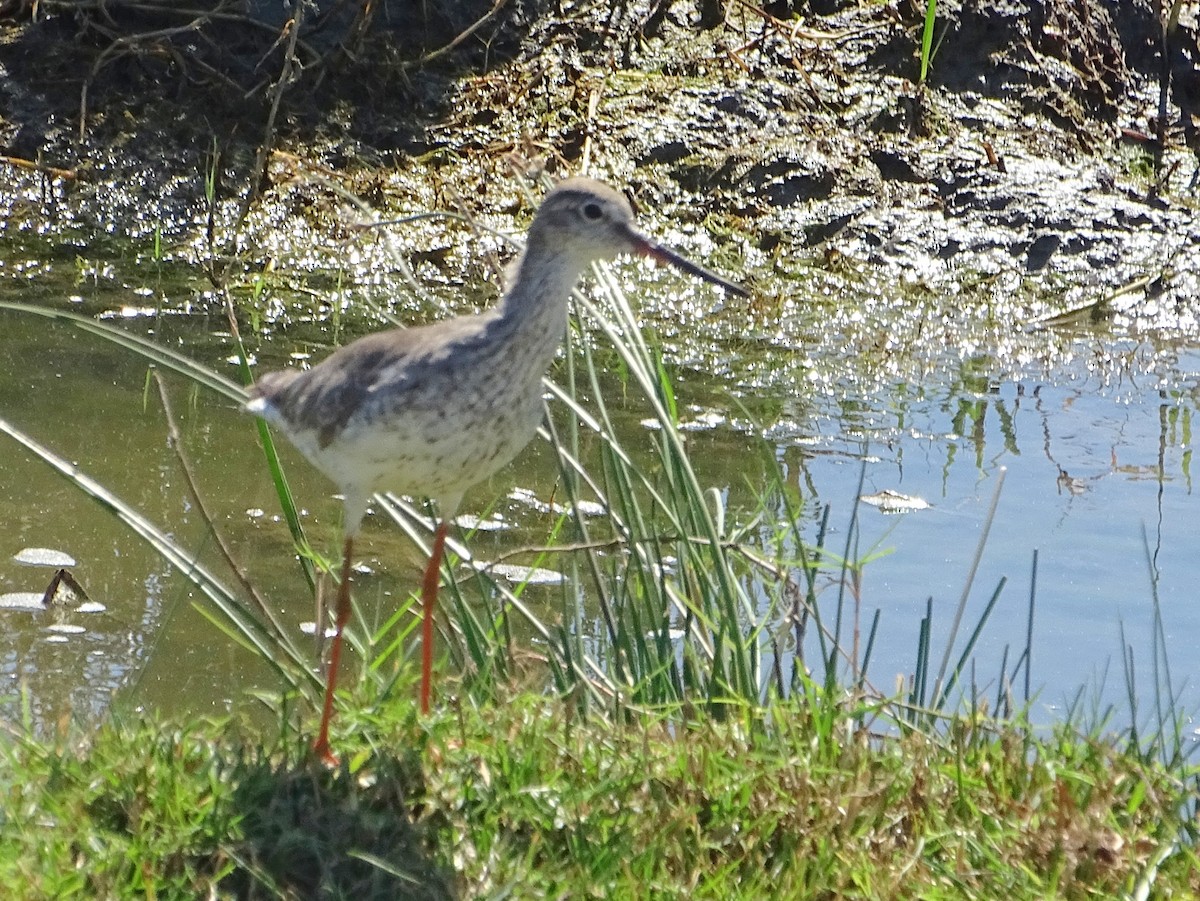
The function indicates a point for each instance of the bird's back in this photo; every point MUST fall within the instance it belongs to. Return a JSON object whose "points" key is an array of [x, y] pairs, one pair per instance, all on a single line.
{"points": [[427, 410]]}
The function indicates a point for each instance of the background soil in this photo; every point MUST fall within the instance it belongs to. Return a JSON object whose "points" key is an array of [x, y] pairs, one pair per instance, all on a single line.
{"points": [[1054, 144]]}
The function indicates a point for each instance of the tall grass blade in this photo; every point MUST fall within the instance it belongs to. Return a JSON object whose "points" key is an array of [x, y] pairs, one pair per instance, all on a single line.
{"points": [[1029, 627], [966, 592], [969, 648], [927, 39]]}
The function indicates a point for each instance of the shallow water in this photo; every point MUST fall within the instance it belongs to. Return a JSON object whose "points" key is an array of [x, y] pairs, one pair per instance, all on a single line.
{"points": [[1096, 478], [1092, 428]]}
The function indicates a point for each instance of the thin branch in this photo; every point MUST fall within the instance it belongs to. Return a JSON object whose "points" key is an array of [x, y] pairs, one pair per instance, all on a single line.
{"points": [[497, 5], [20, 163], [286, 75]]}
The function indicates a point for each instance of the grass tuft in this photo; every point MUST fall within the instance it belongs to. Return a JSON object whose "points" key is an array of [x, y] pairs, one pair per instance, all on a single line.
{"points": [[524, 798]]}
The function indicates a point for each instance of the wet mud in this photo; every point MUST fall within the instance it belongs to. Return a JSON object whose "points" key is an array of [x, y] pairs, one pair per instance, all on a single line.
{"points": [[1049, 162]]}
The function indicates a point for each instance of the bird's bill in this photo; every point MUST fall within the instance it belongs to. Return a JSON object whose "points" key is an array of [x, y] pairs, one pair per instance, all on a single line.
{"points": [[660, 254]]}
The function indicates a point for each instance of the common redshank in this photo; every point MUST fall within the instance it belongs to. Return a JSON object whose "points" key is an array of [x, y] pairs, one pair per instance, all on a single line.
{"points": [[431, 410]]}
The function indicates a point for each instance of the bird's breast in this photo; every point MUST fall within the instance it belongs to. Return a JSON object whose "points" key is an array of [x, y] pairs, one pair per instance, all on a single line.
{"points": [[434, 438]]}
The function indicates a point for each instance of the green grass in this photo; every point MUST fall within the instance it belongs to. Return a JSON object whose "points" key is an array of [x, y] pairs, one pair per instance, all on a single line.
{"points": [[523, 798], [927, 48]]}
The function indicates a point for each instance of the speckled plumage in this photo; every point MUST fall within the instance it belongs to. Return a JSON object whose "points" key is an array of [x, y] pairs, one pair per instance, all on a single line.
{"points": [[431, 410], [425, 411]]}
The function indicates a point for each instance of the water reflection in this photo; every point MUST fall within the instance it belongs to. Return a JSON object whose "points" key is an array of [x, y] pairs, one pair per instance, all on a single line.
{"points": [[1099, 482]]}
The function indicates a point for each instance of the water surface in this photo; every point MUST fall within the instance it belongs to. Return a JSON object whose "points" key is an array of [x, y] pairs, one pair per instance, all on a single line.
{"points": [[1092, 428]]}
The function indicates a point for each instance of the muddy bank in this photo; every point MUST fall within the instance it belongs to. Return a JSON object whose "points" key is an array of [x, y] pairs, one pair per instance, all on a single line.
{"points": [[1042, 172]]}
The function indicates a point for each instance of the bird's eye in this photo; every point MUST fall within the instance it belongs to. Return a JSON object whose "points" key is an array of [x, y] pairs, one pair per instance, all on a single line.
{"points": [[592, 211]]}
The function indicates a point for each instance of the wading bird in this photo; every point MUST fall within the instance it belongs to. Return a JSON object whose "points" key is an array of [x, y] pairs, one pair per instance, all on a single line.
{"points": [[429, 411]]}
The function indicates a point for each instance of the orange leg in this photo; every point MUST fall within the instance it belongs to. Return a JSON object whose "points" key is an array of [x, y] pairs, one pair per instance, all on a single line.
{"points": [[321, 745], [429, 592]]}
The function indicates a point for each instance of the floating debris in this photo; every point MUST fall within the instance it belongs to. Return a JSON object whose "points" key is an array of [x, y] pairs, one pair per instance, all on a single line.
{"points": [[21, 600], [703, 422], [528, 498], [310, 628], [1072, 485], [522, 574], [471, 523], [888, 501], [63, 588], [673, 635], [44, 556]]}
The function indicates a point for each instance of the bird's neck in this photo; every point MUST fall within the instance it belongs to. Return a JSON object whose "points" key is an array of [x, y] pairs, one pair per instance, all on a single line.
{"points": [[540, 286]]}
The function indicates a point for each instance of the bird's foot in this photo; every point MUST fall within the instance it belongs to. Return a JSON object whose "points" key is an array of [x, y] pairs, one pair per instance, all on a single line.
{"points": [[321, 748]]}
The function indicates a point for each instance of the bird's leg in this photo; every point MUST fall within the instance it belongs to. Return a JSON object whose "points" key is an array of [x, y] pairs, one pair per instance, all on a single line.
{"points": [[429, 592], [321, 745]]}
